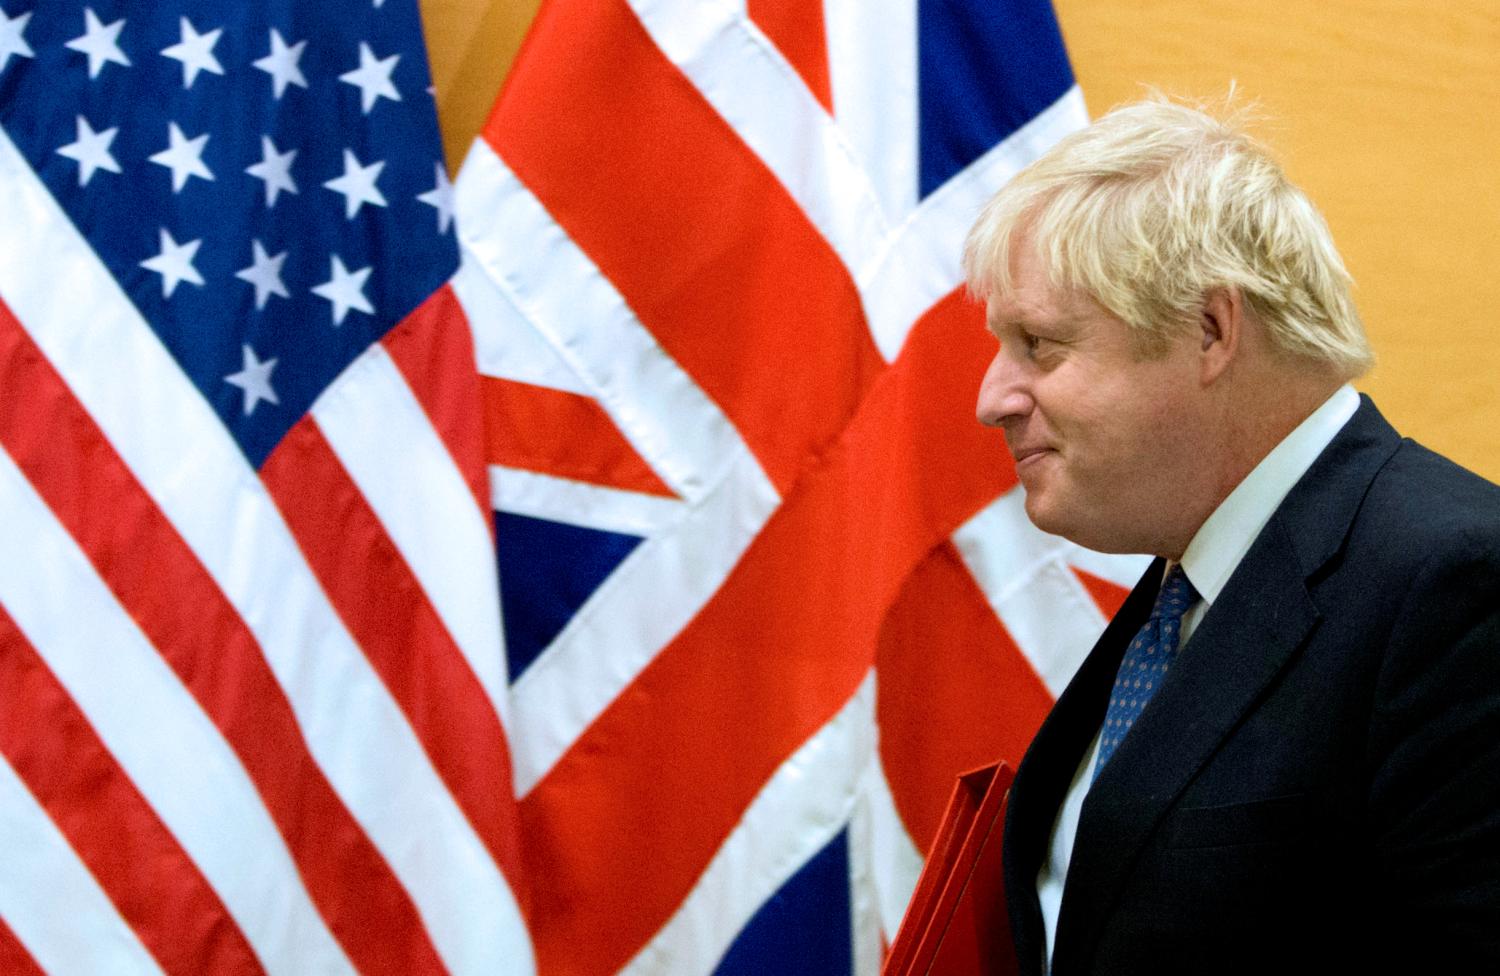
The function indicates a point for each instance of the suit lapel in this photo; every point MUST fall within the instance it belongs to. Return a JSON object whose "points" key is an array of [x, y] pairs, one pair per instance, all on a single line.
{"points": [[1244, 640], [1048, 766], [1252, 632]]}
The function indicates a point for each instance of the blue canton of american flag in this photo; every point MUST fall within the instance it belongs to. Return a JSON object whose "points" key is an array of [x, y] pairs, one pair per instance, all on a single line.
{"points": [[265, 181], [251, 675]]}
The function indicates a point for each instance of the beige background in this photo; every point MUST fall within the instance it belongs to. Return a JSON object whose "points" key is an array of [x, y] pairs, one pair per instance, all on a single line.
{"points": [[1384, 110]]}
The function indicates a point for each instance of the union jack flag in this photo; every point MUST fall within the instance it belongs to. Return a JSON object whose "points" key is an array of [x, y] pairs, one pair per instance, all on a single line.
{"points": [[767, 586], [764, 585]]}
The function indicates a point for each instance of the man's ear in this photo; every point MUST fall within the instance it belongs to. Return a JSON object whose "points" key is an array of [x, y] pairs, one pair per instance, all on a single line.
{"points": [[1222, 322]]}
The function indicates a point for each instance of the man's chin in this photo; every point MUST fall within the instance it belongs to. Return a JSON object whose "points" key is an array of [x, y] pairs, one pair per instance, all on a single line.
{"points": [[1085, 532], [1043, 513]]}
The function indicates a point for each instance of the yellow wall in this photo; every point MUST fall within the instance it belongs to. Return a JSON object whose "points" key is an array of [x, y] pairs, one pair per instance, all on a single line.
{"points": [[471, 44], [1386, 111]]}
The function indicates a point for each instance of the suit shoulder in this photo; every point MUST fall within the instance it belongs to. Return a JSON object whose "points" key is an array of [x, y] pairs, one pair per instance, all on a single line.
{"points": [[1422, 501]]}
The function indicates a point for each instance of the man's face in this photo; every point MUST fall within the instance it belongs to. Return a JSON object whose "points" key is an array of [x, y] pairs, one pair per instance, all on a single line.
{"points": [[1103, 438]]}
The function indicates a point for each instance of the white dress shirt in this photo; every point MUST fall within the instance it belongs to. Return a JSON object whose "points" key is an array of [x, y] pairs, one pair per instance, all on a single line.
{"points": [[1210, 559]]}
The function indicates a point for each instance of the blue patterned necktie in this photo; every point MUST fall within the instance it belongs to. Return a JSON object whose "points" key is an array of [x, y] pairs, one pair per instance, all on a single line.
{"points": [[1146, 661]]}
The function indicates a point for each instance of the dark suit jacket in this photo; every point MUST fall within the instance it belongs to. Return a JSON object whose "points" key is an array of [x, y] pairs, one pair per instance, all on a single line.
{"points": [[1316, 785]]}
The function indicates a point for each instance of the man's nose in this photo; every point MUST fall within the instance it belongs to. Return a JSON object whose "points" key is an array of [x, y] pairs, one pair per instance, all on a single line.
{"points": [[1003, 394]]}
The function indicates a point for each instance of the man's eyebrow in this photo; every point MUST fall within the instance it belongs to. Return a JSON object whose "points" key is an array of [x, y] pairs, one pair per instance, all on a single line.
{"points": [[1000, 323], [1020, 320]]}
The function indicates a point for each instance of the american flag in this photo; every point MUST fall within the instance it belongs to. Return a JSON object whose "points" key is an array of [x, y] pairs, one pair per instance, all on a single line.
{"points": [[251, 673], [765, 585]]}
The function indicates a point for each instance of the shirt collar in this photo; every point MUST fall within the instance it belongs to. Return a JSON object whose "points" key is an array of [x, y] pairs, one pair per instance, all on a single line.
{"points": [[1223, 540]]}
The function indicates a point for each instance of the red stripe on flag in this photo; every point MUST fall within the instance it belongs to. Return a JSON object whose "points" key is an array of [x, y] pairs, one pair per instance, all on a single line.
{"points": [[146, 873], [434, 351], [954, 691], [1109, 596], [14, 959], [634, 164], [796, 27], [561, 433], [176, 603], [645, 784], [382, 603]]}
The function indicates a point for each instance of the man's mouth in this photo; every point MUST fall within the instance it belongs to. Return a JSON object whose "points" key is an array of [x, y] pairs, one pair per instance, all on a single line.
{"points": [[1025, 454]]}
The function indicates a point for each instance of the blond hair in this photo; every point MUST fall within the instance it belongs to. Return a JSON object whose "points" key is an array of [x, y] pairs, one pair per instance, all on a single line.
{"points": [[1156, 204]]}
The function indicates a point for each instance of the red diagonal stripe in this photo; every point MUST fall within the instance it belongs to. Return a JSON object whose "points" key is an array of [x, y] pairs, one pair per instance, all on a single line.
{"points": [[561, 433], [796, 28], [139, 864], [706, 246], [953, 690], [382, 603], [650, 783], [1108, 596], [175, 601], [14, 959], [434, 351]]}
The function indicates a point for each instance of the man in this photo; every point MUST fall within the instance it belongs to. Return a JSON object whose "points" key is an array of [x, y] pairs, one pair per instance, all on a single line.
{"points": [[1283, 756]]}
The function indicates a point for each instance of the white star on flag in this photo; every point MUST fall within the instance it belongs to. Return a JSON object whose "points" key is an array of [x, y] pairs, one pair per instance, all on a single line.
{"points": [[282, 64], [254, 378], [372, 77], [264, 273], [100, 42], [358, 184], [12, 40], [275, 169], [440, 197], [345, 289], [174, 263], [184, 157], [196, 53], [91, 150]]}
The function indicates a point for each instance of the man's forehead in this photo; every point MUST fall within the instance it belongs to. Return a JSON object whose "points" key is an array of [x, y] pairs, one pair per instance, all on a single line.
{"points": [[1037, 301]]}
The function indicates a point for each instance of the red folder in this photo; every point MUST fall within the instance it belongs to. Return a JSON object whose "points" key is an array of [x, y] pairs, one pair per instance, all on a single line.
{"points": [[956, 924]]}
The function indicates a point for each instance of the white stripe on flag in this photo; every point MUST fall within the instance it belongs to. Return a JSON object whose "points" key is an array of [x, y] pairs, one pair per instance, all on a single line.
{"points": [[803, 806], [68, 615], [386, 443], [51, 901], [898, 863], [924, 260], [1040, 600], [864, 896], [579, 503], [505, 344], [622, 627], [563, 295], [901, 263], [872, 67], [183, 457], [750, 84], [1124, 571]]}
